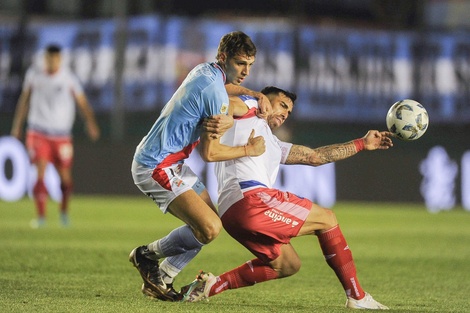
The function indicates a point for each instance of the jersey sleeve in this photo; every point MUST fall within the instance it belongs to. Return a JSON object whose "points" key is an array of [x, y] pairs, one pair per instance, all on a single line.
{"points": [[28, 79], [251, 102], [75, 84], [285, 149], [215, 101]]}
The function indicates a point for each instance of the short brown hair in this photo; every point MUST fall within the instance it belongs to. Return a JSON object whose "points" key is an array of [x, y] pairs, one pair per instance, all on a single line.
{"points": [[236, 43]]}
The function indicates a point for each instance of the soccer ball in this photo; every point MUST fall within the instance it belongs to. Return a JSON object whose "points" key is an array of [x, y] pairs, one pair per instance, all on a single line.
{"points": [[407, 120]]}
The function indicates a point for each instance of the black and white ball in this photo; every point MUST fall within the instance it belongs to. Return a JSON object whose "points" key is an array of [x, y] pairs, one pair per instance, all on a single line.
{"points": [[407, 119]]}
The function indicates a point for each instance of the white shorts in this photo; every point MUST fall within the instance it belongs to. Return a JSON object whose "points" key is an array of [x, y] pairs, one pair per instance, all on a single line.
{"points": [[163, 185]]}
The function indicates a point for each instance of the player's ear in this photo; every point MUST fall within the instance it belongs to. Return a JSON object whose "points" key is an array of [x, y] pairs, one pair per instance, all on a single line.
{"points": [[222, 57]]}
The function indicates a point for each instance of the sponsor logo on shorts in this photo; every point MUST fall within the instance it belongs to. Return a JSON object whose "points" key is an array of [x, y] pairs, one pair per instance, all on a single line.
{"points": [[277, 216]]}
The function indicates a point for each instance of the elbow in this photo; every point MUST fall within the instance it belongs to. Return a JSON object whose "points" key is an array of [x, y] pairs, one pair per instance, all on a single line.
{"points": [[208, 157]]}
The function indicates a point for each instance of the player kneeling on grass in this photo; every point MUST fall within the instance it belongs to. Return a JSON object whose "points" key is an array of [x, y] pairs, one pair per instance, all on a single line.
{"points": [[264, 219]]}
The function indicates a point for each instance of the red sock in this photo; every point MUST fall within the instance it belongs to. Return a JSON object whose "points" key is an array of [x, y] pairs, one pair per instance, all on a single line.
{"points": [[66, 192], [248, 274], [339, 258], [40, 197]]}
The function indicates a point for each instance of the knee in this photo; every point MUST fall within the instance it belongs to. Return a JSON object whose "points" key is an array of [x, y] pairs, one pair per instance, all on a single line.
{"points": [[330, 220], [289, 268], [210, 231]]}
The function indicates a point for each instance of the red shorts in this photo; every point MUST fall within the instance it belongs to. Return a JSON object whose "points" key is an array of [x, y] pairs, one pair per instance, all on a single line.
{"points": [[265, 219], [57, 150]]}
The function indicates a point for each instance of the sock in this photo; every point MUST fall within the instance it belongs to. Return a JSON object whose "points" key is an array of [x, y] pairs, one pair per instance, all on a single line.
{"points": [[178, 241], [248, 274], [66, 192], [339, 258], [40, 197], [171, 266]]}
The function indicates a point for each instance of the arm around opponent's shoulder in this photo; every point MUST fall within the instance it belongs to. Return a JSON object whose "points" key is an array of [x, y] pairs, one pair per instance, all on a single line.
{"points": [[212, 150], [265, 107]]}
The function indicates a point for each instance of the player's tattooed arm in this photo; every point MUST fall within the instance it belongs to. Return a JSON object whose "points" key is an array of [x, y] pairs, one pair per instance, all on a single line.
{"points": [[373, 140], [327, 154]]}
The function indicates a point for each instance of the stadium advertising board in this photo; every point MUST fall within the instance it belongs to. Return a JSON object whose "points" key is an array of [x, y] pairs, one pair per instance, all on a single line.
{"points": [[436, 184]]}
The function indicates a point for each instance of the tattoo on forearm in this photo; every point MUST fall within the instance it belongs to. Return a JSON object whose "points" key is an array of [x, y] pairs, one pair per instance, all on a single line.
{"points": [[298, 155], [321, 155], [335, 152]]}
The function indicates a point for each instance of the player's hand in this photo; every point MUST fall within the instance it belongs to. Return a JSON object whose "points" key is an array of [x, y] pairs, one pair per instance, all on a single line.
{"points": [[374, 140], [264, 105], [217, 125], [256, 145]]}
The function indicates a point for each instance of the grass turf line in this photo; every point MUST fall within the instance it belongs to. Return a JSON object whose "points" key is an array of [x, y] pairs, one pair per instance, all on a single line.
{"points": [[406, 258]]}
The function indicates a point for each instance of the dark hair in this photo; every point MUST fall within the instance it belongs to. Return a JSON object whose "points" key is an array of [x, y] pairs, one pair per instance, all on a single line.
{"points": [[236, 43], [53, 48], [274, 90]]}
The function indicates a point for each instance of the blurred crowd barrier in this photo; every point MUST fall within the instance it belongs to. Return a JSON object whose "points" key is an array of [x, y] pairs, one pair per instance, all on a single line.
{"points": [[340, 74]]}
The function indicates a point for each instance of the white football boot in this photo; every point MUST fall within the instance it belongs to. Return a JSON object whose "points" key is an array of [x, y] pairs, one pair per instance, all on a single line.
{"points": [[199, 289], [366, 303]]}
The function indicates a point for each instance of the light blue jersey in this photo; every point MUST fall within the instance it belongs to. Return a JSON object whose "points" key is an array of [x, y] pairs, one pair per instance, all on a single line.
{"points": [[177, 130]]}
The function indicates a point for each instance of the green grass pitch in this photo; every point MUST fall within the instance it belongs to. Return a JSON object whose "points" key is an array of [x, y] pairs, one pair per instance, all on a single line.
{"points": [[408, 259]]}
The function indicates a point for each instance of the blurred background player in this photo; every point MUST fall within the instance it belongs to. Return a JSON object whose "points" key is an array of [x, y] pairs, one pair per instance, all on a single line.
{"points": [[48, 100], [159, 171], [264, 219]]}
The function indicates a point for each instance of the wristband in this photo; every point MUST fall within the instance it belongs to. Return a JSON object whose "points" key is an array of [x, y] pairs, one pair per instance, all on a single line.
{"points": [[246, 152], [359, 143]]}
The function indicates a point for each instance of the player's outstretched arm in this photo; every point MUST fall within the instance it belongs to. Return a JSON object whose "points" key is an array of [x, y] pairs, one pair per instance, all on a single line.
{"points": [[21, 112], [213, 151], [373, 140]]}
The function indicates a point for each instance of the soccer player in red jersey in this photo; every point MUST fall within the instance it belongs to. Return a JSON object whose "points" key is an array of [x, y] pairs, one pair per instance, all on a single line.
{"points": [[264, 219]]}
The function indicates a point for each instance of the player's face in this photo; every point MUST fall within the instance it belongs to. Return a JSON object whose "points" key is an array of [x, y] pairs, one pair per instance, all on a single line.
{"points": [[282, 108], [53, 61], [237, 68]]}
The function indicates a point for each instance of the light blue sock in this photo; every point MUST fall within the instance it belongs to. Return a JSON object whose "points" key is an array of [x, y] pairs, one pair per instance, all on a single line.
{"points": [[172, 265], [178, 241]]}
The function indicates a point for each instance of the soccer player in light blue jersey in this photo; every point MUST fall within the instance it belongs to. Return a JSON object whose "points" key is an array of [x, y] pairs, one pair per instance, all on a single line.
{"points": [[159, 171]]}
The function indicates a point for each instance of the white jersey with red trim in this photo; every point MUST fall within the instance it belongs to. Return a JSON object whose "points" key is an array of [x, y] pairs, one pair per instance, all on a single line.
{"points": [[237, 176], [52, 102]]}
